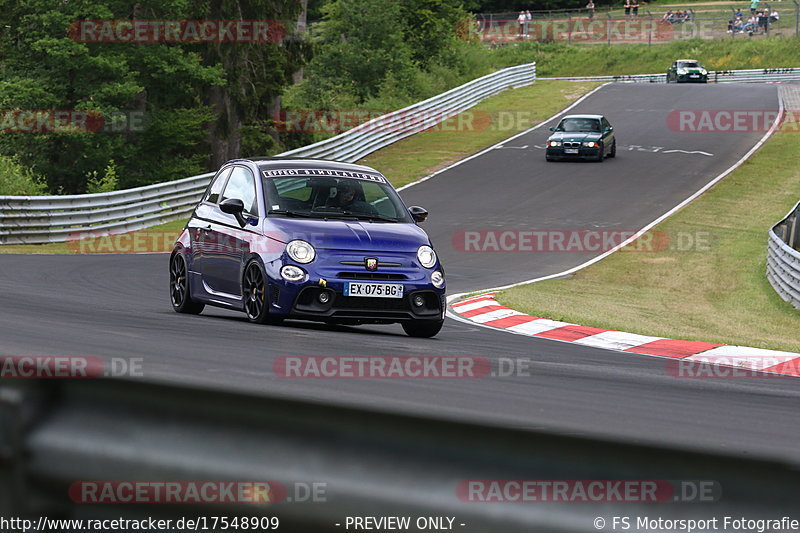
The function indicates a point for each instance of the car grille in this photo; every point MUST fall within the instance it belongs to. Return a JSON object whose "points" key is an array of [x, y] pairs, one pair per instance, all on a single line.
{"points": [[385, 276], [378, 304], [569, 144]]}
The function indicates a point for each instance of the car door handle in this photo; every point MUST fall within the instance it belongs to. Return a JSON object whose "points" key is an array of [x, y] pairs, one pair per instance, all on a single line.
{"points": [[206, 229]]}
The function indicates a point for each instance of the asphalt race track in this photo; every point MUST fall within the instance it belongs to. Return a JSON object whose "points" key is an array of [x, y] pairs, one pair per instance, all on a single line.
{"points": [[117, 306]]}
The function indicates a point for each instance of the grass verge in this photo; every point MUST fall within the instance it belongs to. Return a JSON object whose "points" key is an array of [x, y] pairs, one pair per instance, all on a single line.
{"points": [[716, 290], [491, 121]]}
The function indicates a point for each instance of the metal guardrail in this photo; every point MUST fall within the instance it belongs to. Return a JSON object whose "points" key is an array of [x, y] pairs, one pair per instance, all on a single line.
{"points": [[783, 257], [57, 433], [714, 76], [41, 219]]}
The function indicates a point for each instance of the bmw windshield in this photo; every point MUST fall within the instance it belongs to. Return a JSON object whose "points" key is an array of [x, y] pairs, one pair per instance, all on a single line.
{"points": [[579, 125], [334, 197]]}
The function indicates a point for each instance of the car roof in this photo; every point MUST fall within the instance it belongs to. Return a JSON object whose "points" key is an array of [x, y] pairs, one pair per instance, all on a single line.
{"points": [[679, 60], [268, 163], [596, 117]]}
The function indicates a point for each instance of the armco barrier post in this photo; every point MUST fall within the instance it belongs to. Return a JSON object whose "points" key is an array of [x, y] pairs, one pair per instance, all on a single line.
{"points": [[796, 18]]}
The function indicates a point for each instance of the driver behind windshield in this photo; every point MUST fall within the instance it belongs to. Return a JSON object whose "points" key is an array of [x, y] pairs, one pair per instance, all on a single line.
{"points": [[346, 200], [579, 125]]}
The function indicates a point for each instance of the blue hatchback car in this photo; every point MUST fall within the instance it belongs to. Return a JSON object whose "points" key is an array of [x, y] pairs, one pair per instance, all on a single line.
{"points": [[308, 239]]}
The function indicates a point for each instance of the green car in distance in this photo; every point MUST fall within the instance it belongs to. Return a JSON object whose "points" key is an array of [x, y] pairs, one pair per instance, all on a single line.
{"points": [[687, 71], [581, 137]]}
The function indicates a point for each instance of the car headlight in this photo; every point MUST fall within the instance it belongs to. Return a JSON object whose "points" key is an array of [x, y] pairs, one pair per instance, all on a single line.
{"points": [[301, 251], [554, 143], [426, 256], [590, 144], [437, 278], [682, 71], [292, 273], [703, 71]]}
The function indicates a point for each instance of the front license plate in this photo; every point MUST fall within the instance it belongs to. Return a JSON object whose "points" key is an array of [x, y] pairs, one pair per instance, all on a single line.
{"points": [[373, 290], [570, 150], [694, 75]]}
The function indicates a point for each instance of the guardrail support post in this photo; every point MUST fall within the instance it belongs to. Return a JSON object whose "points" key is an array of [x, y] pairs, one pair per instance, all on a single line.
{"points": [[796, 18], [569, 29]]}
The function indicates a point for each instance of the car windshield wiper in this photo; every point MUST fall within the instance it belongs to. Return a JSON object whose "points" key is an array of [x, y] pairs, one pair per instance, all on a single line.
{"points": [[289, 213], [371, 217]]}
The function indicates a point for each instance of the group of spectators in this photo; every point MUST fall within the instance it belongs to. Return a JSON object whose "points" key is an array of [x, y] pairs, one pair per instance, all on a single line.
{"points": [[524, 21], [632, 7], [758, 22], [677, 17]]}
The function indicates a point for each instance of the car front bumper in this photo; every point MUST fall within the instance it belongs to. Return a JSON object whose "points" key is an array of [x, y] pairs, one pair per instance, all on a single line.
{"points": [[301, 299], [583, 153], [692, 78]]}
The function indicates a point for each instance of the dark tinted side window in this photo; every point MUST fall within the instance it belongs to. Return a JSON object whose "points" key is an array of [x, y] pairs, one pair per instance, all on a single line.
{"points": [[216, 187]]}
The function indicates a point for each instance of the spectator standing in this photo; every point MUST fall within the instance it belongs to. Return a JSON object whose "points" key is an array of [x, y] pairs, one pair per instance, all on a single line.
{"points": [[635, 7], [627, 7], [753, 7], [590, 8], [528, 22], [521, 21]]}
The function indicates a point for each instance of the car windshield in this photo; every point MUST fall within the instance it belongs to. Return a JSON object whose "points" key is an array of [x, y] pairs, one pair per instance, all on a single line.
{"points": [[334, 197], [579, 124], [688, 64]]}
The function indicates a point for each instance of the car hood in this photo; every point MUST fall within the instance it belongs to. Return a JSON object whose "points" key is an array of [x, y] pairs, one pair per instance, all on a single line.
{"points": [[576, 136], [358, 235]]}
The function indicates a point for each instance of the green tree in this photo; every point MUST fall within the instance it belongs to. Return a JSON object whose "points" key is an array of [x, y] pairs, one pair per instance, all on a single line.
{"points": [[189, 102], [359, 43]]}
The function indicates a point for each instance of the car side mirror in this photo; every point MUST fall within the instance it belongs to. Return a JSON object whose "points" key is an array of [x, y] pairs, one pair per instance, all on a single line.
{"points": [[551, 128], [419, 214], [235, 207], [608, 129]]}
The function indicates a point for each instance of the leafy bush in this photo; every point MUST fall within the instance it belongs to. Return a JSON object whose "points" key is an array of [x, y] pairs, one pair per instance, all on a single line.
{"points": [[105, 183], [16, 180]]}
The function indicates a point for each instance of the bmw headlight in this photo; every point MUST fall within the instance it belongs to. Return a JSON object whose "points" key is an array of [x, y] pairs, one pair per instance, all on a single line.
{"points": [[437, 278], [554, 143], [682, 71], [590, 144], [426, 256], [301, 251], [703, 71]]}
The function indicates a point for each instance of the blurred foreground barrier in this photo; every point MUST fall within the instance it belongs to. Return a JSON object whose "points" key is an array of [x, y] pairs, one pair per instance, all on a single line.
{"points": [[783, 257], [40, 219], [61, 439]]}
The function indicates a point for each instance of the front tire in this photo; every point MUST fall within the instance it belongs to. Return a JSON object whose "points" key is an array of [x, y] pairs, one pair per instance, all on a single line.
{"points": [[600, 154], [613, 152], [423, 328], [179, 292], [254, 293]]}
